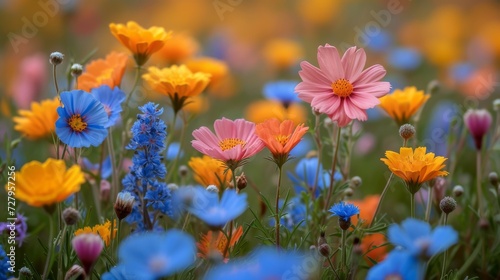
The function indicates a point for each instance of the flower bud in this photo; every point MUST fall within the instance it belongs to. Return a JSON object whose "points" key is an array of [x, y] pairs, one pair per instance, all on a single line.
{"points": [[478, 122], [56, 58], [348, 192], [241, 181], [123, 205], [483, 223], [75, 272], [433, 87], [323, 247], [105, 189], [493, 176], [70, 216], [212, 189], [496, 104], [183, 171], [76, 70], [356, 182], [406, 131], [458, 191], [25, 273], [172, 187], [88, 247], [447, 204]]}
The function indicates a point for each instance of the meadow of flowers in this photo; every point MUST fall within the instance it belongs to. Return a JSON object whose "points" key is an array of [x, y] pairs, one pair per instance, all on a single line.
{"points": [[219, 146]]}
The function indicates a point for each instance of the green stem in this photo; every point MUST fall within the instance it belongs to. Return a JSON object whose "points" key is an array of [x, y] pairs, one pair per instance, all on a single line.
{"points": [[478, 183], [382, 196], [333, 268], [278, 209], [61, 249], [446, 251], [50, 248], [317, 138], [55, 79], [136, 82], [412, 205], [429, 204], [332, 175], [343, 256], [181, 140], [114, 171]]}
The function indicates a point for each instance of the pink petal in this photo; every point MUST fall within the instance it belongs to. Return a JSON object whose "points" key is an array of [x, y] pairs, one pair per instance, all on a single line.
{"points": [[371, 74], [353, 112], [326, 104], [311, 73], [377, 89], [225, 128], [364, 101], [353, 62], [329, 62], [307, 91], [206, 136]]}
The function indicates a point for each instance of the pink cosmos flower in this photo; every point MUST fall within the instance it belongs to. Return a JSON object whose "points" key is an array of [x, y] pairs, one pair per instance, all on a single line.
{"points": [[341, 88], [233, 141], [478, 122]]}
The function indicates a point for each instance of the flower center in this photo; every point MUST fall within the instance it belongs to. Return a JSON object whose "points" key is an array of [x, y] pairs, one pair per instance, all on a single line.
{"points": [[230, 143], [282, 139], [76, 123], [342, 88]]}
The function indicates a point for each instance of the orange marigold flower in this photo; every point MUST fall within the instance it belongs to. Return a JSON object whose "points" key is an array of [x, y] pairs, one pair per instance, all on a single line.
{"points": [[43, 184], [217, 69], [108, 71], [40, 122], [401, 105], [280, 137], [217, 242], [263, 110], [415, 168], [282, 53], [103, 230], [179, 48], [210, 171], [372, 249], [141, 42], [367, 208], [177, 82]]}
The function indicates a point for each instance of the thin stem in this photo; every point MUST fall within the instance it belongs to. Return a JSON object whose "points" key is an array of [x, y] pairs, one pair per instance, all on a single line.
{"points": [[278, 209], [317, 138], [116, 240], [445, 251], [61, 249], [382, 196], [50, 248], [333, 268], [136, 82], [186, 221], [478, 183], [181, 140], [429, 203], [114, 171], [332, 175], [412, 205], [55, 78], [343, 257]]}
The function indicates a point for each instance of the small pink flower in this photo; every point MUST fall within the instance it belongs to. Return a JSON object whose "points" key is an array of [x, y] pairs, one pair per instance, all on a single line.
{"points": [[233, 141], [88, 247], [478, 122], [341, 88]]}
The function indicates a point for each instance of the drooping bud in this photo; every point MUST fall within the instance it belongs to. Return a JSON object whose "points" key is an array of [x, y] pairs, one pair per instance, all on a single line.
{"points": [[458, 191], [123, 205], [70, 216], [447, 204], [75, 272], [406, 131], [56, 58]]}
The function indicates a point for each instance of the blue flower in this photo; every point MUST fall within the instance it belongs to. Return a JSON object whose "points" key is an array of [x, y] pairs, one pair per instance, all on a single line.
{"points": [[123, 272], [295, 213], [154, 254], [158, 197], [106, 168], [417, 238], [82, 120], [282, 91], [398, 264], [381, 41], [264, 263], [173, 149], [20, 228], [206, 206], [305, 174], [344, 210], [111, 99], [4, 264], [404, 58]]}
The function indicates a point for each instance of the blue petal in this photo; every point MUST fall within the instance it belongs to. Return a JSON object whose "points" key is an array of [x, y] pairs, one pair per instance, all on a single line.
{"points": [[442, 238]]}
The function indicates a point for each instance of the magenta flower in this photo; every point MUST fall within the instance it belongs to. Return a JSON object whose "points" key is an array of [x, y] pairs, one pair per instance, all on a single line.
{"points": [[88, 247], [478, 122], [341, 88], [232, 143]]}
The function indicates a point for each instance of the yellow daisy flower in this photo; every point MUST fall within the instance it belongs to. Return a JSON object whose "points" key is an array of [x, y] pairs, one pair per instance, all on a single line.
{"points": [[401, 105], [40, 121], [103, 230], [209, 171]]}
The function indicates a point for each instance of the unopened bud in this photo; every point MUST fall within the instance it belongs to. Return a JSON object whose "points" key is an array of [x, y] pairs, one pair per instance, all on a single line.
{"points": [[105, 190], [447, 204], [76, 70], [356, 246], [183, 171], [348, 191], [70, 216], [458, 191], [25, 273], [241, 181], [212, 189], [483, 223], [75, 272], [316, 112], [344, 225], [406, 131], [493, 176], [433, 87], [356, 181], [56, 58], [496, 104], [124, 204], [323, 247], [172, 187]]}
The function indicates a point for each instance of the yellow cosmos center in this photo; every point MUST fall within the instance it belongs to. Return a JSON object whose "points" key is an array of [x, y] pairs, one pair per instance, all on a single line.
{"points": [[282, 139], [342, 88], [230, 143], [76, 123]]}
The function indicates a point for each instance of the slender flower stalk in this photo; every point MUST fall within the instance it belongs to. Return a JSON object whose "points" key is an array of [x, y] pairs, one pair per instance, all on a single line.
{"points": [[429, 204], [478, 184], [382, 196], [50, 248], [334, 164], [278, 209]]}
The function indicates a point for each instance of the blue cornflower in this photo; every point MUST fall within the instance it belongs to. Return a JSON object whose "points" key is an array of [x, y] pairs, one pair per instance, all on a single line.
{"points": [[4, 264], [153, 255], [404, 58], [264, 263], [112, 100], [398, 264], [282, 91], [344, 210], [206, 206], [417, 238], [305, 174], [82, 120], [106, 168]]}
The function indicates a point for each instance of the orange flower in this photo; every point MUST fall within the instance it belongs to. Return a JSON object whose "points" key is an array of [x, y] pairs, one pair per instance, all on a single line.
{"points": [[282, 53], [263, 110], [367, 208], [179, 48], [401, 105], [209, 171], [415, 168], [280, 137], [141, 42], [370, 246], [108, 71], [208, 244], [216, 68], [40, 122], [103, 230]]}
